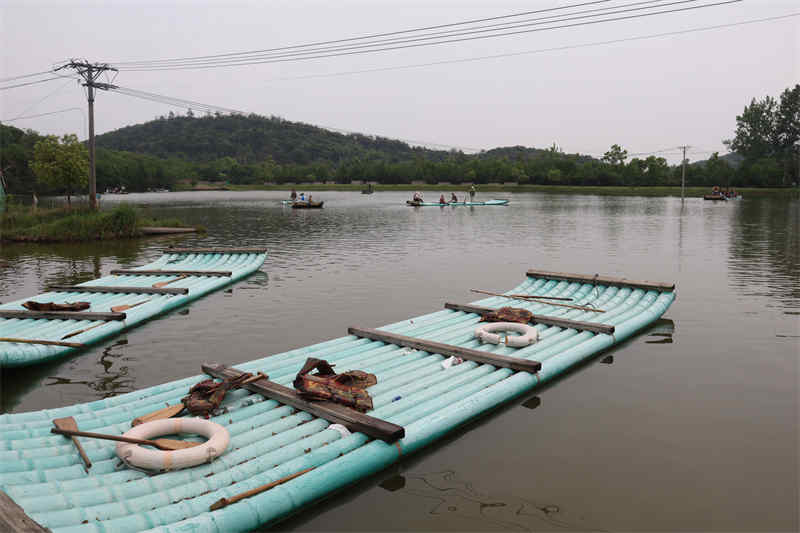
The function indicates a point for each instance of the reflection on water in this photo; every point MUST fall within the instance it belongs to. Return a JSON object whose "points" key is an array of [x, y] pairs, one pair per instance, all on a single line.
{"points": [[443, 493], [113, 379]]}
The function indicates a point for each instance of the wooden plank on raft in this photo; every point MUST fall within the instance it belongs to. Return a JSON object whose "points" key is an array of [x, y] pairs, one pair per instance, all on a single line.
{"points": [[115, 290], [350, 418], [540, 319], [212, 273], [14, 520], [602, 280], [215, 251], [61, 315], [479, 356]]}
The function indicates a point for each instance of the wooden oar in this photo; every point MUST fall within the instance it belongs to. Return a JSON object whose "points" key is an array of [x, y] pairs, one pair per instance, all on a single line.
{"points": [[163, 283], [536, 300], [119, 308], [224, 502], [68, 335], [166, 412], [69, 423], [161, 444]]}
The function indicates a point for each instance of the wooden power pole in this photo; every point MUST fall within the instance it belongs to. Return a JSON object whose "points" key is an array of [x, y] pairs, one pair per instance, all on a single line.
{"points": [[90, 72]]}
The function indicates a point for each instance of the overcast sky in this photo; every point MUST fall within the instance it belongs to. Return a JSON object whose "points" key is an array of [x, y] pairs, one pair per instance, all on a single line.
{"points": [[646, 95]]}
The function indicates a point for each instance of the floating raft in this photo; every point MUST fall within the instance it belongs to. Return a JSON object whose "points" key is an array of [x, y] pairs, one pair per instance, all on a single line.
{"points": [[271, 441], [468, 204], [118, 302]]}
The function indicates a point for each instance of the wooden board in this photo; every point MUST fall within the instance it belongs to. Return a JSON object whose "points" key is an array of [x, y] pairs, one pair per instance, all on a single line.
{"points": [[503, 361], [602, 280], [215, 251], [61, 315], [213, 273], [14, 520], [540, 319], [117, 290], [350, 418]]}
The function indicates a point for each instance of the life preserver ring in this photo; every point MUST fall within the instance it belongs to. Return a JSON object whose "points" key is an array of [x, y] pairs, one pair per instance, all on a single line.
{"points": [[527, 334], [163, 461]]}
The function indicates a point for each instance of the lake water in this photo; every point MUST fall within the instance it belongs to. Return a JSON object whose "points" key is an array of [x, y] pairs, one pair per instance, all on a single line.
{"points": [[690, 426]]}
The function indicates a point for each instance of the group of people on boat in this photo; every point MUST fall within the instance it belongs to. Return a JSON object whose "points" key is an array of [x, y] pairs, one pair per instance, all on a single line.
{"points": [[728, 192], [417, 197], [294, 197]]}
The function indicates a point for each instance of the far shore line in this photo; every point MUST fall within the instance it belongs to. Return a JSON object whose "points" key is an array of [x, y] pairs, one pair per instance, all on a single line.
{"points": [[508, 188]]}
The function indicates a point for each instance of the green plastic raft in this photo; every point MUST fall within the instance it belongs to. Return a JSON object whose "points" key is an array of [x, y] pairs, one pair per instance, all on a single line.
{"points": [[43, 474], [412, 203], [118, 302]]}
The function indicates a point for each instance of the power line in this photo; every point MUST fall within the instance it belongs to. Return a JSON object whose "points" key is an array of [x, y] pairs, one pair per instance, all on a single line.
{"points": [[78, 109], [538, 51], [45, 97], [29, 83], [12, 78], [279, 59], [310, 49], [473, 21]]}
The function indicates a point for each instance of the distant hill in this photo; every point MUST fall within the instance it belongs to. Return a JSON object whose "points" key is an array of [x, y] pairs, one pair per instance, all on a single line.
{"points": [[733, 159], [253, 138]]}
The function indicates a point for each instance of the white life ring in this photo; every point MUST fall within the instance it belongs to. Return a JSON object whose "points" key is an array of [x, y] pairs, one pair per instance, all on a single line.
{"points": [[527, 334], [163, 461]]}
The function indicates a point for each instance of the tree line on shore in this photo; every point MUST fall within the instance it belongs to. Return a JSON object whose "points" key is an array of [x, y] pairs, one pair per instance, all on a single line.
{"points": [[250, 149]]}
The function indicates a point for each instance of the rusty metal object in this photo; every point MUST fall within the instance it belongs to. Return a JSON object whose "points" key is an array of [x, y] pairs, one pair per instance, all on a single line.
{"points": [[206, 396], [508, 314], [347, 388], [50, 306]]}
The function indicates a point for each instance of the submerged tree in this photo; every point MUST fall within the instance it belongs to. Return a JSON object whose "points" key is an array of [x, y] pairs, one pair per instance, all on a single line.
{"points": [[63, 165]]}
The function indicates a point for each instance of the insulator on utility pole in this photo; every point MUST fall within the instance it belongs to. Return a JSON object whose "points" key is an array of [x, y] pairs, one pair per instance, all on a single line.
{"points": [[90, 72]]}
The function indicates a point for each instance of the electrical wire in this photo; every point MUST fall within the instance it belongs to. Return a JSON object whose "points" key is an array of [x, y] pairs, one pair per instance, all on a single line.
{"points": [[45, 97], [12, 78], [289, 58], [412, 30], [30, 83], [538, 51], [241, 56]]}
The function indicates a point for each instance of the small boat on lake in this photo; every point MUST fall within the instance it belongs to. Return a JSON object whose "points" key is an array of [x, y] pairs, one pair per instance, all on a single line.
{"points": [[285, 453], [307, 205], [117, 302], [412, 203], [715, 197]]}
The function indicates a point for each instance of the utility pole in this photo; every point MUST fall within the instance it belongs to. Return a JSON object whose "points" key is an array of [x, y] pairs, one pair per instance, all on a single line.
{"points": [[683, 172], [90, 72]]}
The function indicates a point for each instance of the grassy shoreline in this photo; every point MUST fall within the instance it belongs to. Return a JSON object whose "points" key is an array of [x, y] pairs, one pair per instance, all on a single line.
{"points": [[22, 224], [695, 192]]}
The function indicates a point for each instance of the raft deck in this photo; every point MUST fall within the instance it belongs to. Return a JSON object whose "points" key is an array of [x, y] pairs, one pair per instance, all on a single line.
{"points": [[118, 301], [271, 441]]}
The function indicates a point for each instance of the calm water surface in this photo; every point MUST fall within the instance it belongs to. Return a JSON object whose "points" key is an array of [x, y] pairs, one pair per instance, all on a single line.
{"points": [[690, 426]]}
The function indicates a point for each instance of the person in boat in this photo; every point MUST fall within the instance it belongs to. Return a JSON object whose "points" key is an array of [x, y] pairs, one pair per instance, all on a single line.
{"points": [[417, 197], [453, 197], [293, 196], [302, 197], [442, 200], [471, 192], [309, 198]]}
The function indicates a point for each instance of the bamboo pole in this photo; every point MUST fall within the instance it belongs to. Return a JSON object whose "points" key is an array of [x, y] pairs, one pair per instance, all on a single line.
{"points": [[537, 299], [40, 341], [224, 502]]}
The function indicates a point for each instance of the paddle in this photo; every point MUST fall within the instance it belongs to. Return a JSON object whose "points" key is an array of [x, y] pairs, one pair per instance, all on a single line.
{"points": [[161, 444], [165, 412], [69, 423], [118, 308]]}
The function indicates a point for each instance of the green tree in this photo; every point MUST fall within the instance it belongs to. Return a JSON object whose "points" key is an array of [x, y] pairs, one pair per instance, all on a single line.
{"points": [[63, 165], [756, 130], [616, 155]]}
